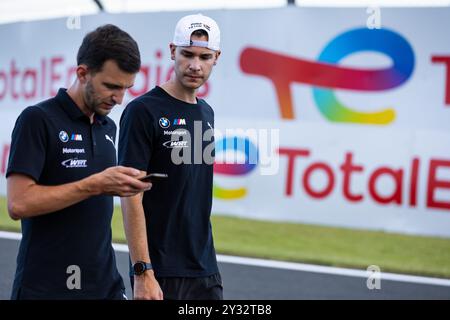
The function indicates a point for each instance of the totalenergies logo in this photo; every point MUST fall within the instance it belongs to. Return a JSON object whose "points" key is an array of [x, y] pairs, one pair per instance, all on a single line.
{"points": [[326, 75], [235, 156]]}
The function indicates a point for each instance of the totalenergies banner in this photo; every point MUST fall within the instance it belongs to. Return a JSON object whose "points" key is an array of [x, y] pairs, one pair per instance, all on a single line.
{"points": [[340, 124]]}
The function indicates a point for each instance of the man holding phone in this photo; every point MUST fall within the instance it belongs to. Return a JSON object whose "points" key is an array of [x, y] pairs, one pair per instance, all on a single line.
{"points": [[62, 175], [168, 228], [152, 177]]}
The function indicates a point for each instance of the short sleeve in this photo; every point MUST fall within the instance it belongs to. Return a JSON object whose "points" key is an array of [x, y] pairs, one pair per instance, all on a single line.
{"points": [[136, 136], [28, 144]]}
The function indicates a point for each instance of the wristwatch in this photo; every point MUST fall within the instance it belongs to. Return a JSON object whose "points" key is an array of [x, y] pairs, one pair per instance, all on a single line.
{"points": [[140, 267]]}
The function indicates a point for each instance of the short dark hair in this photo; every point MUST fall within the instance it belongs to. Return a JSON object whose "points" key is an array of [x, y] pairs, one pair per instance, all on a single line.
{"points": [[109, 42], [200, 33]]}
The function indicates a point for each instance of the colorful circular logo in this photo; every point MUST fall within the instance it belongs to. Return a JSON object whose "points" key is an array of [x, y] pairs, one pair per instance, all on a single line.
{"points": [[237, 145], [63, 136], [164, 123], [383, 41]]}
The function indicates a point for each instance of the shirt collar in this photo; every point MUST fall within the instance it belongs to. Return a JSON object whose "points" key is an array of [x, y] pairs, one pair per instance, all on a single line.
{"points": [[71, 108]]}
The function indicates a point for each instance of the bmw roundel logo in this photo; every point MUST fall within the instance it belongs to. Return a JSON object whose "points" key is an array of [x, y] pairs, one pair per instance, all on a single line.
{"points": [[63, 136], [164, 122]]}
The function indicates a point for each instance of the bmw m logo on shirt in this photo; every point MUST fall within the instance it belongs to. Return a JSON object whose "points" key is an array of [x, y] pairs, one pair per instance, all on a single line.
{"points": [[164, 122], [63, 136], [74, 163], [179, 122], [76, 137]]}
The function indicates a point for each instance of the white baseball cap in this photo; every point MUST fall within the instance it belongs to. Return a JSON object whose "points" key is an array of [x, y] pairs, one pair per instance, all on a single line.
{"points": [[189, 24]]}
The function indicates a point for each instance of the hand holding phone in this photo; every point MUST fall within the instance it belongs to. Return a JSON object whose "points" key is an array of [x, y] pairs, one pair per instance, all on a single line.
{"points": [[154, 177]]}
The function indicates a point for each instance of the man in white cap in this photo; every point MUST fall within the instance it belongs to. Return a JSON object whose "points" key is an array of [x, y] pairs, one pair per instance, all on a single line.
{"points": [[168, 228]]}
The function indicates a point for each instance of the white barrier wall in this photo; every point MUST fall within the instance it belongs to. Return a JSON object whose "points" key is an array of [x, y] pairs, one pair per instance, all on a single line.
{"points": [[361, 115]]}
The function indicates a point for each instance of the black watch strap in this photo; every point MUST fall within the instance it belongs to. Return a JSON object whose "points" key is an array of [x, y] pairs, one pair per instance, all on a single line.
{"points": [[140, 267]]}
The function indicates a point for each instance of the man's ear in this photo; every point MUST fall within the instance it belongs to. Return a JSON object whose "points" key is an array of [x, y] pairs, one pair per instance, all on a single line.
{"points": [[218, 52], [172, 50], [82, 73]]}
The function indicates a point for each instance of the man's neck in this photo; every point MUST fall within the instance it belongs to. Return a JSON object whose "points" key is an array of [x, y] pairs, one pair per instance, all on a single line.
{"points": [[76, 95], [176, 90]]}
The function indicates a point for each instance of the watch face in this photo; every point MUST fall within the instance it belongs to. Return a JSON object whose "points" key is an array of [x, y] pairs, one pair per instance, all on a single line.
{"points": [[138, 268]]}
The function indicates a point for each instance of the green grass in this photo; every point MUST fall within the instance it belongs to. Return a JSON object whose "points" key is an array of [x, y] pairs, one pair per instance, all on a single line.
{"points": [[333, 246], [6, 223], [313, 244]]}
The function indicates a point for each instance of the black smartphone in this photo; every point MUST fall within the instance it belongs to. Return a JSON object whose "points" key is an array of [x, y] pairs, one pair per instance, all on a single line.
{"points": [[153, 177]]}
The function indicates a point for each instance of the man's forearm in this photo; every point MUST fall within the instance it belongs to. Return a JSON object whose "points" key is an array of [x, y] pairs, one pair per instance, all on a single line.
{"points": [[34, 200], [135, 228]]}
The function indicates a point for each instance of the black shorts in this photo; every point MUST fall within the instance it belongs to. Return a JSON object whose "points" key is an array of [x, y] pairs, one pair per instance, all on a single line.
{"points": [[180, 288]]}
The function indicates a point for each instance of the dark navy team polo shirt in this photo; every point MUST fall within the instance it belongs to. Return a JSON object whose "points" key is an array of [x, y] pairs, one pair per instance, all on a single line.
{"points": [[54, 143], [178, 209]]}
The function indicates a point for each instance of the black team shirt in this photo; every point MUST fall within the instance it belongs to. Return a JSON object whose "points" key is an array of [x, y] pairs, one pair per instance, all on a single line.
{"points": [[153, 127], [54, 143]]}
